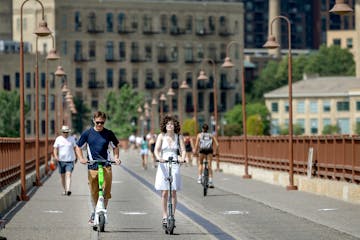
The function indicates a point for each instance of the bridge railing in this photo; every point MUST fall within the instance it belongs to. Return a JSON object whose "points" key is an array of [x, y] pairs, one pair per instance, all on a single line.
{"points": [[334, 157], [10, 158]]}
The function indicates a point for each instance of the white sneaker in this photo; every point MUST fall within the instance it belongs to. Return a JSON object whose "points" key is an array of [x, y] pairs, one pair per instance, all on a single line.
{"points": [[199, 179]]}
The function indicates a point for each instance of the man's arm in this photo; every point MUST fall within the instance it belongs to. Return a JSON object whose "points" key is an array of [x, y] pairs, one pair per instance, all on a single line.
{"points": [[80, 155], [116, 154]]}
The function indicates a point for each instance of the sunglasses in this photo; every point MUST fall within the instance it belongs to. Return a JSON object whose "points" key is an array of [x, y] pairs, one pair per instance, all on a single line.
{"points": [[99, 123]]}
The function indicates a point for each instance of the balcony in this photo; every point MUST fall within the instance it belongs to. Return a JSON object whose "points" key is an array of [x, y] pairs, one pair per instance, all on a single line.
{"points": [[96, 84], [93, 29], [224, 32], [175, 30], [79, 57], [111, 58], [122, 30], [226, 86], [149, 31]]}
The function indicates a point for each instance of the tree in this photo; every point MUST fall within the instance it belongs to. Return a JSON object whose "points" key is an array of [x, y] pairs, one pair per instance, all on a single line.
{"points": [[82, 119], [122, 110], [188, 126], [254, 125], [357, 128], [232, 129], [10, 113], [234, 116], [297, 130]]}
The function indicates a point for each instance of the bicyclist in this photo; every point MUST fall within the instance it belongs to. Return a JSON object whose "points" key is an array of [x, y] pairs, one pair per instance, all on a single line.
{"points": [[204, 146], [98, 140], [168, 144]]}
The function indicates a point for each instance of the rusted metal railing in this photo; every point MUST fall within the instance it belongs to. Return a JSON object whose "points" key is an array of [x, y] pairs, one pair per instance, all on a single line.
{"points": [[10, 158], [334, 157]]}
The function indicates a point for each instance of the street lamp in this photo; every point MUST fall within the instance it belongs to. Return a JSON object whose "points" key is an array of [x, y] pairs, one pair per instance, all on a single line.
{"points": [[50, 57], [153, 107], [139, 110], [162, 102], [171, 93], [228, 64], [183, 86], [41, 32], [202, 76], [271, 44], [341, 8]]}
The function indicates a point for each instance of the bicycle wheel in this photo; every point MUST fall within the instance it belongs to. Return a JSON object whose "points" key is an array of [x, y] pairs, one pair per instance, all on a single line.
{"points": [[206, 181], [101, 227]]}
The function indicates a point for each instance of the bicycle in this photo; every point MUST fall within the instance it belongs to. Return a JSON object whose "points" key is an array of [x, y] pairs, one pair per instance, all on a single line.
{"points": [[205, 176], [170, 221], [100, 218]]}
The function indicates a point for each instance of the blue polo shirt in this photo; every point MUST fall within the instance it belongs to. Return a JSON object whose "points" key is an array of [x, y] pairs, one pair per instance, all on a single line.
{"points": [[98, 144]]}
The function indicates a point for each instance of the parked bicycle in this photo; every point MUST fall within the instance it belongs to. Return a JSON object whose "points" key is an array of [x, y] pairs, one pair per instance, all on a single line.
{"points": [[100, 218]]}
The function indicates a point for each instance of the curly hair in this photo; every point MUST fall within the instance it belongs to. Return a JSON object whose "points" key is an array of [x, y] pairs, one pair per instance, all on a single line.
{"points": [[167, 119]]}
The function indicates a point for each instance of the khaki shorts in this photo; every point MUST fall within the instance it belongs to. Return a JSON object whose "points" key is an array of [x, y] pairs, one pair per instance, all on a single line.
{"points": [[94, 184]]}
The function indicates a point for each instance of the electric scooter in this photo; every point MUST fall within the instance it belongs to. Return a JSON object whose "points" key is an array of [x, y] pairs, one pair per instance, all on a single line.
{"points": [[100, 218]]}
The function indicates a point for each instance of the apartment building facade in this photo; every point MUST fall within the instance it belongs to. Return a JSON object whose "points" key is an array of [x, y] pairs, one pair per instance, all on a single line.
{"points": [[317, 102], [149, 45]]}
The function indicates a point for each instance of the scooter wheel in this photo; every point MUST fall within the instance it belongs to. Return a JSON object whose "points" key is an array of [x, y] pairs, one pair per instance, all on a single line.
{"points": [[101, 222]]}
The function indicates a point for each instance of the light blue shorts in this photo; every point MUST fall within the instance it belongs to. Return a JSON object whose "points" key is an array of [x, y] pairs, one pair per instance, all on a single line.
{"points": [[65, 167]]}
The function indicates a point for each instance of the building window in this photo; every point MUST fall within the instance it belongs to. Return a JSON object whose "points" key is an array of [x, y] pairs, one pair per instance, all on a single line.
{"points": [[275, 128], [94, 104], [135, 78], [357, 105], [200, 52], [64, 48], [349, 43], [326, 106], [135, 52], [28, 127], [52, 127], [211, 102], [52, 102], [147, 23], [286, 107], [337, 41], [211, 24], [174, 53], [78, 77], [28, 100], [301, 123], [6, 83], [28, 80], [121, 23], [78, 50], [77, 22], [134, 22], [275, 107], [163, 23], [17, 80], [212, 51], [223, 102], [110, 77], [189, 24], [162, 78], [92, 49], [64, 21], [188, 53], [122, 77], [109, 55], [344, 124], [174, 29], [313, 126], [326, 122], [200, 101], [343, 106], [148, 52], [200, 26], [42, 102], [122, 51], [109, 22], [92, 75], [300, 107], [313, 107]]}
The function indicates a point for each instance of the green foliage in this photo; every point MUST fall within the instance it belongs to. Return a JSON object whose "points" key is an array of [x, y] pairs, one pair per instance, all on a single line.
{"points": [[331, 61], [357, 128], [297, 130], [234, 116], [188, 126], [331, 129], [10, 113], [82, 119], [232, 129], [254, 125], [328, 61], [121, 108]]}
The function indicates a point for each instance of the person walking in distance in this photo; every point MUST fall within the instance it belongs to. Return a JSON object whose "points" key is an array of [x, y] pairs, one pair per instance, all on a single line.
{"points": [[98, 139], [144, 151], [189, 146], [204, 146], [168, 144], [152, 142], [64, 154]]}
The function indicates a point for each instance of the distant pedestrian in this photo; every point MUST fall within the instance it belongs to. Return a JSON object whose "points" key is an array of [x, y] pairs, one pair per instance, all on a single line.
{"points": [[189, 146], [64, 154], [144, 151], [152, 142], [132, 140]]}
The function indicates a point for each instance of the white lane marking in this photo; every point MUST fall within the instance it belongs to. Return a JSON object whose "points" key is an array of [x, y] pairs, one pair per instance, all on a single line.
{"points": [[133, 213], [52, 211], [327, 209], [236, 212], [117, 181]]}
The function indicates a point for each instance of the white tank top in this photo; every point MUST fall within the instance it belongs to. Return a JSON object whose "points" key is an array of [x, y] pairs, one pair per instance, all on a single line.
{"points": [[170, 151]]}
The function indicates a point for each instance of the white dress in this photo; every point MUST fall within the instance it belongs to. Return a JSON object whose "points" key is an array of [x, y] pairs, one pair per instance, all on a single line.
{"points": [[163, 171]]}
